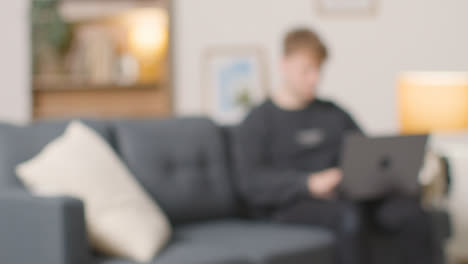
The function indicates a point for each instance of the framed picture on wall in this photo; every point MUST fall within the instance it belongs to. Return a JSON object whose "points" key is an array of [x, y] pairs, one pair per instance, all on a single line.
{"points": [[234, 80], [347, 7]]}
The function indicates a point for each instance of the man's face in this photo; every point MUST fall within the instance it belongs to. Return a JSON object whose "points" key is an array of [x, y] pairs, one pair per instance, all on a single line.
{"points": [[301, 72]]}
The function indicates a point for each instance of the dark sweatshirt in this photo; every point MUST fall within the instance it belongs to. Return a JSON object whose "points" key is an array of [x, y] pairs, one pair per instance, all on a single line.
{"points": [[278, 149]]}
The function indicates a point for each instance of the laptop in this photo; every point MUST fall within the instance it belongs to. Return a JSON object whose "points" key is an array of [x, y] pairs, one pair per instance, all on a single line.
{"points": [[375, 167]]}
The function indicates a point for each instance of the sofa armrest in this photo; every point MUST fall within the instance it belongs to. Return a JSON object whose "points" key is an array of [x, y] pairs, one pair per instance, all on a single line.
{"points": [[42, 230], [441, 224]]}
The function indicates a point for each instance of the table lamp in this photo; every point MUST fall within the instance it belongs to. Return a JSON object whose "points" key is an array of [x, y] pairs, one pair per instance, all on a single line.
{"points": [[436, 103], [433, 102], [148, 40]]}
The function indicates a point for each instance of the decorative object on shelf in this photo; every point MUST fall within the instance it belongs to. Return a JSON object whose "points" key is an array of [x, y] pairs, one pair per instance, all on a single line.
{"points": [[51, 35], [347, 7], [127, 70], [234, 80], [433, 102]]}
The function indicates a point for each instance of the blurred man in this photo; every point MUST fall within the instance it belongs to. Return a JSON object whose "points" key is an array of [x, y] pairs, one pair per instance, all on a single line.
{"points": [[289, 149]]}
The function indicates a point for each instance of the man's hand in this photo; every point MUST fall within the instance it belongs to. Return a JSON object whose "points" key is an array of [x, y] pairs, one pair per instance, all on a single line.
{"points": [[322, 184]]}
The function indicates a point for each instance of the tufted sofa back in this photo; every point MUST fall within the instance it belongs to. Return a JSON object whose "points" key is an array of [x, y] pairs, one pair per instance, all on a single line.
{"points": [[181, 163]]}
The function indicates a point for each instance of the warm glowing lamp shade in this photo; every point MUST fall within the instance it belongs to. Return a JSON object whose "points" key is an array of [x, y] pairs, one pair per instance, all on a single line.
{"points": [[148, 38], [433, 101], [148, 35]]}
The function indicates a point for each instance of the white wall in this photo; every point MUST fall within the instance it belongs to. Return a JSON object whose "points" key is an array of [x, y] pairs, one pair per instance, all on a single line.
{"points": [[367, 52], [14, 61]]}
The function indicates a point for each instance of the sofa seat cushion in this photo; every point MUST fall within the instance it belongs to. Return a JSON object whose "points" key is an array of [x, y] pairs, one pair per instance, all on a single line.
{"points": [[241, 241], [181, 163]]}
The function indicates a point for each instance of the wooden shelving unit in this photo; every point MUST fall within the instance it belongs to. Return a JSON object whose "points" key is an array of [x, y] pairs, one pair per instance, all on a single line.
{"points": [[102, 101], [61, 98]]}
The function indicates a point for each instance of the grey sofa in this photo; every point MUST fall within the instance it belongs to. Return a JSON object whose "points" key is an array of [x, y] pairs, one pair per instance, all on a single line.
{"points": [[185, 165]]}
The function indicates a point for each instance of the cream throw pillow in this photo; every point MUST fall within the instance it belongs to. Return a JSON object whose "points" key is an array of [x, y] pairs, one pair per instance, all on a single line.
{"points": [[122, 220]]}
